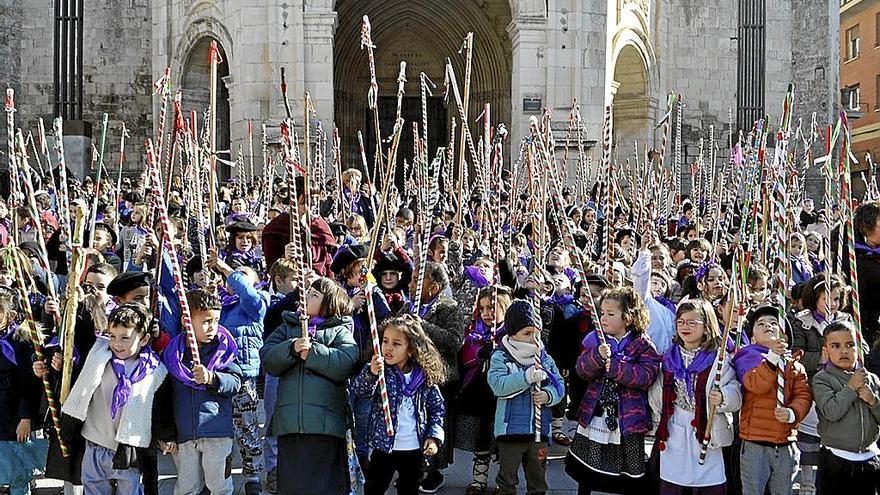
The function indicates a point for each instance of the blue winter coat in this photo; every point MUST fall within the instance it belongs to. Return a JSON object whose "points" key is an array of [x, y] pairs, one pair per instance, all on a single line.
{"points": [[427, 401], [244, 320], [205, 413], [515, 411]]}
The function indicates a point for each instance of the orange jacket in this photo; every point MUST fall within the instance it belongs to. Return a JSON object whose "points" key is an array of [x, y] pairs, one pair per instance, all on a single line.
{"points": [[756, 418]]}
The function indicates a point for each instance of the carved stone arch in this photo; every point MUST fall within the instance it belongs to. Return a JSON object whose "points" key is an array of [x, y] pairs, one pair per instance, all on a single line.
{"points": [[200, 28]]}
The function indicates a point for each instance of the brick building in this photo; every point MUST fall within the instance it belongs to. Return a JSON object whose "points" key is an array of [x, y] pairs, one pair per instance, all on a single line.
{"points": [[860, 76]]}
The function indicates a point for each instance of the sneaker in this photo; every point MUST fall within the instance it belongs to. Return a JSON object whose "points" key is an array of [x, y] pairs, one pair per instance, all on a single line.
{"points": [[272, 481], [253, 488], [432, 483]]}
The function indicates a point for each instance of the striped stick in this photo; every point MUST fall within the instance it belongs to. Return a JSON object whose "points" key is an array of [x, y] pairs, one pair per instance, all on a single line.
{"points": [[607, 225], [848, 213], [63, 202], [162, 211], [719, 368], [537, 388], [36, 341]]}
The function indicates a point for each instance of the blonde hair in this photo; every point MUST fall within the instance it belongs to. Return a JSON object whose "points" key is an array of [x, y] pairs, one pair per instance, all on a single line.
{"points": [[712, 334], [347, 174], [422, 350]]}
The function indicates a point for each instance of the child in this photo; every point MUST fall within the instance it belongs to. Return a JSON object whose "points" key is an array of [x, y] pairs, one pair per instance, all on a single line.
{"points": [[769, 430], [522, 375], [202, 400], [681, 398], [113, 397], [413, 371], [608, 450], [242, 248], [243, 315], [20, 394], [801, 267], [849, 416], [815, 253], [475, 401], [310, 418]]}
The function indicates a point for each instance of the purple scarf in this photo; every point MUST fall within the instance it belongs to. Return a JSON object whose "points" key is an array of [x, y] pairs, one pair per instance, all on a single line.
{"points": [[147, 362], [666, 302], [6, 345], [476, 276], [314, 323], [868, 249], [226, 298], [560, 300], [673, 363], [748, 358], [417, 379], [176, 350], [425, 306], [481, 332]]}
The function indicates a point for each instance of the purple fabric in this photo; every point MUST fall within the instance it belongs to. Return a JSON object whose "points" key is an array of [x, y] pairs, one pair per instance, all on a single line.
{"points": [[480, 332], [476, 276], [425, 307], [672, 363], [666, 302], [417, 379], [226, 298], [5, 345], [314, 323], [174, 355], [147, 362], [867, 249], [748, 358]]}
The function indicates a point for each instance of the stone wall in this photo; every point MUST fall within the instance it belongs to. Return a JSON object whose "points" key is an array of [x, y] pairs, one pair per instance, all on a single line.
{"points": [[116, 70]]}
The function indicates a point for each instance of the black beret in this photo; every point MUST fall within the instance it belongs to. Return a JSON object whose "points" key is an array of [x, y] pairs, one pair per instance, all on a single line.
{"points": [[236, 227], [128, 281], [347, 255]]}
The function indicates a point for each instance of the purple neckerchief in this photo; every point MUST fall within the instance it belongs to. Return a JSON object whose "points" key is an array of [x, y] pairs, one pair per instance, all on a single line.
{"points": [[53, 342], [147, 362], [226, 298], [480, 332], [5, 345], [560, 300], [673, 363], [868, 249], [417, 379], [174, 353], [354, 199], [666, 302], [617, 346], [476, 276], [748, 358], [425, 307], [570, 273], [314, 323]]}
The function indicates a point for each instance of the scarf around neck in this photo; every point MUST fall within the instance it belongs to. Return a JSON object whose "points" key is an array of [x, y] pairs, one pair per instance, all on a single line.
{"points": [[6, 348], [416, 379], [476, 276], [673, 363], [522, 352], [480, 332], [147, 361], [174, 356]]}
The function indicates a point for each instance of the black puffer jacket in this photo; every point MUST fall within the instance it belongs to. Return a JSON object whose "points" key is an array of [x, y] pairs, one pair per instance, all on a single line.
{"points": [[20, 390]]}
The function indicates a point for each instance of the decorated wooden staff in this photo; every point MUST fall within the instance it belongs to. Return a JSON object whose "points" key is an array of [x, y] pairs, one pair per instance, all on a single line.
{"points": [[93, 212], [37, 342], [35, 214], [468, 47], [118, 197], [215, 60], [608, 167], [162, 211], [849, 217], [44, 149], [719, 368], [175, 141], [68, 321], [63, 204]]}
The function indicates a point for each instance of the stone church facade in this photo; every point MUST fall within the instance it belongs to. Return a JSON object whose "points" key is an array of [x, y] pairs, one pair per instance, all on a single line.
{"points": [[731, 60]]}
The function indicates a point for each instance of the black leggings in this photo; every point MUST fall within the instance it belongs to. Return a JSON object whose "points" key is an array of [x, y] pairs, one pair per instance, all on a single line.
{"points": [[407, 463]]}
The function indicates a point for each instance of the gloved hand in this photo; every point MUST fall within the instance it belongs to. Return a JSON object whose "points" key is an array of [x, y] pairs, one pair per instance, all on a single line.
{"points": [[535, 375]]}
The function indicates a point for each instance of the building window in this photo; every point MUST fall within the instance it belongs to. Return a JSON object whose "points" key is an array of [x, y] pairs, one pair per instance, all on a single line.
{"points": [[877, 94], [853, 42], [751, 62], [851, 97], [877, 29]]}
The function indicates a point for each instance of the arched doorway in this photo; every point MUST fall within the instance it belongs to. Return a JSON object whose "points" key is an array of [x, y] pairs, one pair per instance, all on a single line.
{"points": [[632, 101], [196, 88], [423, 33]]}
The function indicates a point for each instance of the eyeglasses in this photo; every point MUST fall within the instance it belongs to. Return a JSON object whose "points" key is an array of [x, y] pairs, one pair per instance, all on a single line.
{"points": [[689, 323]]}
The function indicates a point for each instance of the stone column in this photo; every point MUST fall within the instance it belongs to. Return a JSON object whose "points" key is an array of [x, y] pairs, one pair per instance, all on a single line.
{"points": [[318, 30], [528, 35]]}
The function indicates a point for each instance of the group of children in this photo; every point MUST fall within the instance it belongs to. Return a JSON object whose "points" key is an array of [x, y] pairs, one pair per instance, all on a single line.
{"points": [[381, 360]]}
